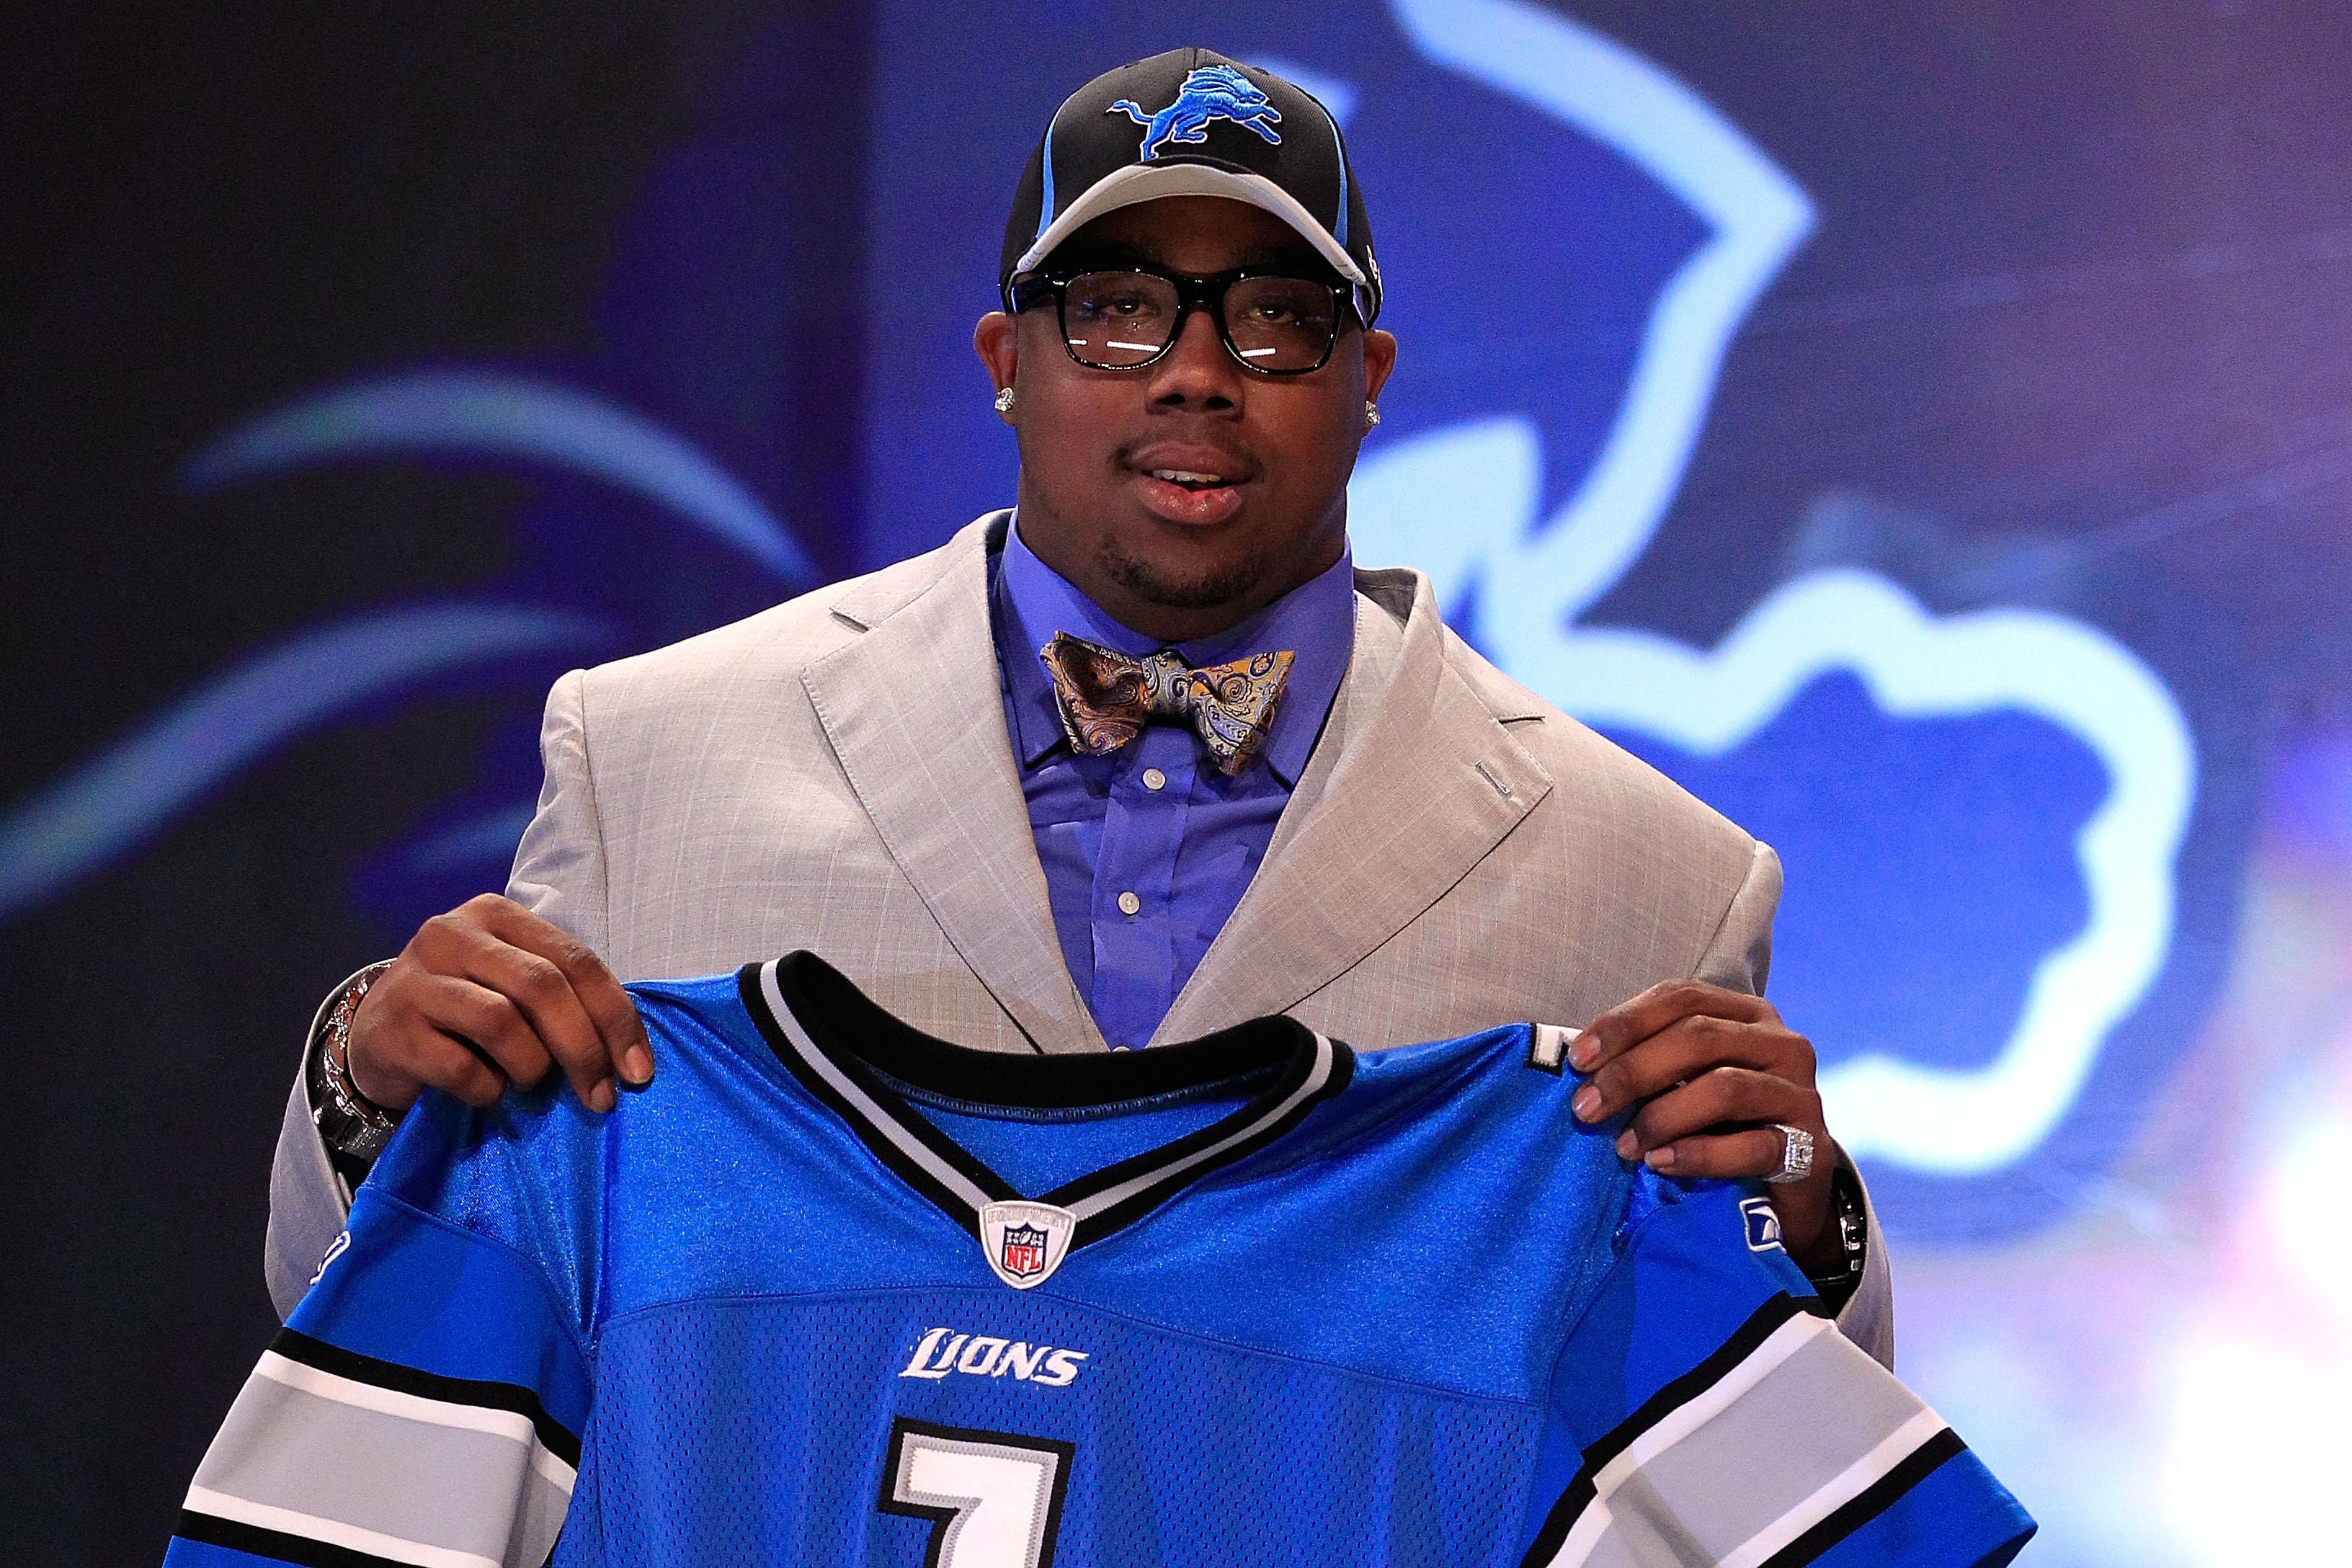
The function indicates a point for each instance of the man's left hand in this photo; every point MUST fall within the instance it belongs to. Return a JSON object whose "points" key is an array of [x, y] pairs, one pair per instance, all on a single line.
{"points": [[1712, 1072]]}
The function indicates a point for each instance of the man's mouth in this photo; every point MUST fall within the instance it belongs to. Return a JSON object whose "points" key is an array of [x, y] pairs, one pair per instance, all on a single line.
{"points": [[1194, 484], [1187, 477], [1180, 493]]}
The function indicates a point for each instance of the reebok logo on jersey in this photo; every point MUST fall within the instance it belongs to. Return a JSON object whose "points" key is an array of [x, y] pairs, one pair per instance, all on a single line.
{"points": [[985, 1355], [1763, 1224]]}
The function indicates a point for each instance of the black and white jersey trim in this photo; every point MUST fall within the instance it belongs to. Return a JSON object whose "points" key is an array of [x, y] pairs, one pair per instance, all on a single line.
{"points": [[849, 1053], [483, 1393], [920, 1156], [333, 1458], [1783, 1504], [278, 1545], [1763, 1323], [1871, 1501]]}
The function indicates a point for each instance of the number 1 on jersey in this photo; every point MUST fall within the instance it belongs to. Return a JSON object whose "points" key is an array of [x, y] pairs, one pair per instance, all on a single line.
{"points": [[994, 1498]]}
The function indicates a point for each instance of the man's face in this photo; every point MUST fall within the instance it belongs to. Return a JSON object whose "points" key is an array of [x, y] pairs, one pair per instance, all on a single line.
{"points": [[1182, 558]]}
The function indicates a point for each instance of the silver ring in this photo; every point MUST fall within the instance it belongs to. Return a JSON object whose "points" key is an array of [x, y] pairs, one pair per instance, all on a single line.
{"points": [[1795, 1154]]}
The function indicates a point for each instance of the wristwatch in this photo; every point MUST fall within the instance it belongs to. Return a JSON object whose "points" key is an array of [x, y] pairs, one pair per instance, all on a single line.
{"points": [[353, 1126], [1847, 1214]]}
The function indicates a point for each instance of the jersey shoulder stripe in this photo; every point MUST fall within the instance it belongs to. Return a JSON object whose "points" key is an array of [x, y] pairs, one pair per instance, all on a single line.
{"points": [[1871, 1501], [420, 1396], [238, 1544], [1600, 1457], [450, 1453], [1775, 1448]]}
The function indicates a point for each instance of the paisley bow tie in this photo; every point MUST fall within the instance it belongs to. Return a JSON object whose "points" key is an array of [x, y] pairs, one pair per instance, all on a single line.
{"points": [[1105, 697]]}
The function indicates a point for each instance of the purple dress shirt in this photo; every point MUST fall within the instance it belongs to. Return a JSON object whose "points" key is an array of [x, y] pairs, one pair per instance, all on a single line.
{"points": [[1147, 850]]}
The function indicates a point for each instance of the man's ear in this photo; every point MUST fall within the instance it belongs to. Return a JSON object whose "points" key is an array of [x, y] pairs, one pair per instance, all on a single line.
{"points": [[1379, 358], [993, 340]]}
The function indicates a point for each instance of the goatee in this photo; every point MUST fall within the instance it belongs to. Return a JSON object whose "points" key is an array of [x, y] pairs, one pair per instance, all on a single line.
{"points": [[1154, 584]]}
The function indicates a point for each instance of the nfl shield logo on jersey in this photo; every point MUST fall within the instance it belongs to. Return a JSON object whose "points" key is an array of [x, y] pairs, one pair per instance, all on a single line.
{"points": [[1025, 1242], [1024, 1251]]}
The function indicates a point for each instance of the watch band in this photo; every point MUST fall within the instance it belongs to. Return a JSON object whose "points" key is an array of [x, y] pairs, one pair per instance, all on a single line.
{"points": [[1847, 1214], [352, 1125]]}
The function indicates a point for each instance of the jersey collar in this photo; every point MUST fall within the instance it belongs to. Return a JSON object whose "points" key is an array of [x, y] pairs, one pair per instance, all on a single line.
{"points": [[847, 1051]]}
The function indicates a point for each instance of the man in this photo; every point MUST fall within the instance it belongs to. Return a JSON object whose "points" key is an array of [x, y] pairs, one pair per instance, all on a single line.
{"points": [[1149, 761]]}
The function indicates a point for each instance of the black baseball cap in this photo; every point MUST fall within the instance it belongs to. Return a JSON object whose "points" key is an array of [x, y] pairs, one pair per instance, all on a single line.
{"points": [[1191, 122]]}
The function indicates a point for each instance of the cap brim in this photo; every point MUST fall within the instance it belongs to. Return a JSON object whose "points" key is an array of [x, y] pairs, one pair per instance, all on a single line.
{"points": [[1191, 177]]}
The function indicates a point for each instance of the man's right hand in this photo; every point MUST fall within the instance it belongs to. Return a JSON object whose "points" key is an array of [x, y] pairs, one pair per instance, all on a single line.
{"points": [[490, 994]]}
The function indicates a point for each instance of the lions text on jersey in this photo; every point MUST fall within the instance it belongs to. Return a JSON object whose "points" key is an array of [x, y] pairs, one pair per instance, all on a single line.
{"points": [[831, 1291]]}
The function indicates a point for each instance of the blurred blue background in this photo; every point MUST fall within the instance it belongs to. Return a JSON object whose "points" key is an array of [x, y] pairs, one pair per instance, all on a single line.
{"points": [[1925, 437]]}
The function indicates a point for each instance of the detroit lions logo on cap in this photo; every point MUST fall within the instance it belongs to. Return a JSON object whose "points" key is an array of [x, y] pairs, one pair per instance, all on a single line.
{"points": [[1210, 93]]}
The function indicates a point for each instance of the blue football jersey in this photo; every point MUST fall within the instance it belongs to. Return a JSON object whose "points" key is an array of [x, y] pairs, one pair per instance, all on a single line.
{"points": [[830, 1291]]}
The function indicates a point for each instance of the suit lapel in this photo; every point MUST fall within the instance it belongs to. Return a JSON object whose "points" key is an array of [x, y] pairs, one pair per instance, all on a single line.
{"points": [[914, 713], [1412, 782]]}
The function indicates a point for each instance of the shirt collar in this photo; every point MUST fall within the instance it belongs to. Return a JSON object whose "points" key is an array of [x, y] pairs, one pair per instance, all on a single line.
{"points": [[1316, 620]]}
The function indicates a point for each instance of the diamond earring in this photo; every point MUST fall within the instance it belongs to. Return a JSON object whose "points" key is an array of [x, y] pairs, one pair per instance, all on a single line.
{"points": [[1371, 414], [1004, 401]]}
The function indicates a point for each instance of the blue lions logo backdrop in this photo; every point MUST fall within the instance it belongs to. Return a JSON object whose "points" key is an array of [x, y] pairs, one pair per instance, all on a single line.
{"points": [[1984, 813], [2008, 815]]}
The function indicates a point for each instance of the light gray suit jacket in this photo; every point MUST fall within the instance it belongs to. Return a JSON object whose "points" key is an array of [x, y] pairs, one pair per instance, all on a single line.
{"points": [[834, 774]]}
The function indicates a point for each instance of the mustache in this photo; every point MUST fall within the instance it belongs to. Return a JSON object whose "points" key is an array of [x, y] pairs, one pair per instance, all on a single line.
{"points": [[1234, 462]]}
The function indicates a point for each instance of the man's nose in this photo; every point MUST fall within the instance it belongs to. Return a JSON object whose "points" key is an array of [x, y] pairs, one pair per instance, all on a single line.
{"points": [[1197, 371]]}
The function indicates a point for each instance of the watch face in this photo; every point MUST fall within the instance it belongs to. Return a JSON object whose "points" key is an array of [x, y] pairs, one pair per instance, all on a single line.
{"points": [[366, 1140]]}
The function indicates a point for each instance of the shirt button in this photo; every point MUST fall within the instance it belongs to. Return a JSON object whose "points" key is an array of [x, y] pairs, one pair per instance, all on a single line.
{"points": [[1154, 779], [1128, 903]]}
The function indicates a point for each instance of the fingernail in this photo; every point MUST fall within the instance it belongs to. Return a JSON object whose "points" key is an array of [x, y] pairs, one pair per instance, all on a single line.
{"points": [[601, 1097], [1627, 1144], [1661, 1159], [1587, 1103], [1581, 1051], [638, 1065]]}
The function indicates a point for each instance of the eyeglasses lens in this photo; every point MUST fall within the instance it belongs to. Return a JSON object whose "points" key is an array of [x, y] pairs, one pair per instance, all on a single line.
{"points": [[1117, 318], [1120, 319], [1279, 323]]}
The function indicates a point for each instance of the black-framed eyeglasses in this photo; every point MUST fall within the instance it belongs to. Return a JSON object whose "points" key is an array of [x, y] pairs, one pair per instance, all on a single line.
{"points": [[1125, 318]]}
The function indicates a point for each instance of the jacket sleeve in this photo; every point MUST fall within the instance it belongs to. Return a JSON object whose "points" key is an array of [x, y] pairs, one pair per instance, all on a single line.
{"points": [[559, 869], [307, 1201], [1740, 957], [559, 875]]}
